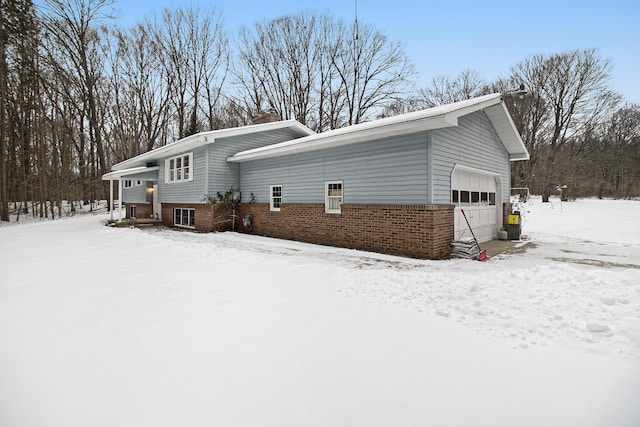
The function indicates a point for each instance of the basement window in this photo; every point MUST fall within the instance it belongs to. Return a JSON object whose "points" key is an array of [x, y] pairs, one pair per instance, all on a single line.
{"points": [[184, 217]]}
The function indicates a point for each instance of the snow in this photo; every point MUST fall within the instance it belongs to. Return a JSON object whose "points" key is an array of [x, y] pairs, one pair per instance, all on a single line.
{"points": [[105, 326]]}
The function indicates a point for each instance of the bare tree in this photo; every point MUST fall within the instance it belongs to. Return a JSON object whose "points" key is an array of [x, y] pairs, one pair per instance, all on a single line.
{"points": [[320, 71], [572, 87], [140, 84], [373, 70], [195, 50], [445, 90], [277, 66], [73, 29]]}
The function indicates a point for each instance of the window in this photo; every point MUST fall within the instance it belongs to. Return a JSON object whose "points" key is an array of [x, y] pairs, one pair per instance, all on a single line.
{"points": [[184, 217], [464, 198], [333, 196], [132, 211], [138, 183], [178, 169], [128, 183], [275, 197]]}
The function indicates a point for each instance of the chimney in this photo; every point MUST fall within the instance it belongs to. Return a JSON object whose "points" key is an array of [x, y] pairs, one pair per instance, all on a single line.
{"points": [[266, 117]]}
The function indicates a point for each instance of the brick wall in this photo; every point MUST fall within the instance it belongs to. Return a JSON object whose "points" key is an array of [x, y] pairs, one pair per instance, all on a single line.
{"points": [[419, 231], [207, 217], [143, 210]]}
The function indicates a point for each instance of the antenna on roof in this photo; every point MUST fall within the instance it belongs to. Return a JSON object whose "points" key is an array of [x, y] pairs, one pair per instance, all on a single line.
{"points": [[356, 21]]}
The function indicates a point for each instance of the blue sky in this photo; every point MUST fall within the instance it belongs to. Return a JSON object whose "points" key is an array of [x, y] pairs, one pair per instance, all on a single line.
{"points": [[446, 37]]}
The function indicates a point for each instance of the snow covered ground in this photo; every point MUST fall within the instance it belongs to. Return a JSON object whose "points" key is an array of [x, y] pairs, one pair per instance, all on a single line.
{"points": [[122, 327]]}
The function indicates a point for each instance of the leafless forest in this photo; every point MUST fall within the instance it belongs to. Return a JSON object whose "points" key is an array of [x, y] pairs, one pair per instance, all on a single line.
{"points": [[80, 93]]}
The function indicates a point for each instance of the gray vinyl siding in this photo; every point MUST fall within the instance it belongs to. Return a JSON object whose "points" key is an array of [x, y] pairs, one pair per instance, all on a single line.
{"points": [[211, 171], [136, 193], [390, 170], [184, 192], [473, 143]]}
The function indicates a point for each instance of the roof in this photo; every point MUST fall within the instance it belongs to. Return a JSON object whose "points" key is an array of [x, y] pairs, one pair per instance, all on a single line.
{"points": [[128, 172], [433, 118], [204, 138]]}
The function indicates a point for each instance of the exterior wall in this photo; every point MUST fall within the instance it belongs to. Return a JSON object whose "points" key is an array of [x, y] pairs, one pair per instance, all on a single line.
{"points": [[473, 143], [143, 210], [387, 171], [207, 217], [418, 231], [137, 193], [210, 169], [189, 191]]}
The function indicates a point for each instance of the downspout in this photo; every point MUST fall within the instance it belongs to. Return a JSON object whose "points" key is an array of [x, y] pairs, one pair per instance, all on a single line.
{"points": [[429, 168]]}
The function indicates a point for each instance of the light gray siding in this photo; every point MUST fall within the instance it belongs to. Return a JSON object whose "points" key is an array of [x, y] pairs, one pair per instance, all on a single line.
{"points": [[211, 171], [473, 143], [390, 170], [185, 192], [137, 193]]}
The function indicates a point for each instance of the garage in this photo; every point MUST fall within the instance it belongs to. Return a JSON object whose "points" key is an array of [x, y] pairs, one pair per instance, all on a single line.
{"points": [[479, 193]]}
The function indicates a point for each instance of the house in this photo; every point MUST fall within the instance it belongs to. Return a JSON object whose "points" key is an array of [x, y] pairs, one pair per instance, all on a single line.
{"points": [[394, 185]]}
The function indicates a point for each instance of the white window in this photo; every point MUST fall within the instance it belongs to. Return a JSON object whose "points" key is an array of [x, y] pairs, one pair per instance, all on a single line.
{"points": [[132, 211], [128, 183], [333, 196], [138, 183], [275, 197], [179, 169], [184, 217]]}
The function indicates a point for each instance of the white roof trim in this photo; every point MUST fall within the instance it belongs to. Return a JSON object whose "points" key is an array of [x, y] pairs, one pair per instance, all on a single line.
{"points": [[126, 172], [209, 137], [432, 118]]}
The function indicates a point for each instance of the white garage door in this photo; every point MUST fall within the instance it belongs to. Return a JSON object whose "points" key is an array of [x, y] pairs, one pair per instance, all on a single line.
{"points": [[478, 194]]}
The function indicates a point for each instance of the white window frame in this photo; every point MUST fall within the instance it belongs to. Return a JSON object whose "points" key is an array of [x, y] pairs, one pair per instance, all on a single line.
{"points": [[128, 183], [329, 200], [183, 223], [133, 211], [272, 198], [175, 171], [138, 183]]}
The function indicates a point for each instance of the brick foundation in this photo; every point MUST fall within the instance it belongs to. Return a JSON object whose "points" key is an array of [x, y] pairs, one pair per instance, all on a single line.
{"points": [[143, 210], [418, 231], [207, 217]]}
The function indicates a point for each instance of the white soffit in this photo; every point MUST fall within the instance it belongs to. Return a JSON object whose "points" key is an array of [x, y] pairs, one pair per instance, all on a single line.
{"points": [[127, 172]]}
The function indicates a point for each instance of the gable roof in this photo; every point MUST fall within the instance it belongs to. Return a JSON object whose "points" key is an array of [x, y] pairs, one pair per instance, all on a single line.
{"points": [[433, 118], [209, 137]]}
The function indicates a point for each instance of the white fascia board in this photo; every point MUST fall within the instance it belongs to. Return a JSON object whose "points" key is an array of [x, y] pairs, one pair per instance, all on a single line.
{"points": [[209, 137], [126, 172], [344, 136], [432, 118], [186, 144], [507, 132]]}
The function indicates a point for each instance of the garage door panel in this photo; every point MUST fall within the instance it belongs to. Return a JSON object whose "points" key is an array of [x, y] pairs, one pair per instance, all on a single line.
{"points": [[482, 216]]}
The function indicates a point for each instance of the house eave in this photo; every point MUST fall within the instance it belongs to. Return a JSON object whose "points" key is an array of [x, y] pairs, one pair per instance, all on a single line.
{"points": [[209, 137], [424, 120], [343, 136], [119, 174]]}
